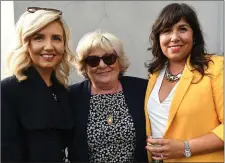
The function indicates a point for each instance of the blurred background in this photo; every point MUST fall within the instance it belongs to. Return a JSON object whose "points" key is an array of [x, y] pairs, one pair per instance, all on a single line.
{"points": [[130, 21]]}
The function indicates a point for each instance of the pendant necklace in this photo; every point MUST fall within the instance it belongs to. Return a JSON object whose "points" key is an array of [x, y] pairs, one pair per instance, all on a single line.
{"points": [[110, 118]]}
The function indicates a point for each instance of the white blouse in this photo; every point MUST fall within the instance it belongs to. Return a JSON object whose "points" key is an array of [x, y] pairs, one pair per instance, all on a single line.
{"points": [[159, 112]]}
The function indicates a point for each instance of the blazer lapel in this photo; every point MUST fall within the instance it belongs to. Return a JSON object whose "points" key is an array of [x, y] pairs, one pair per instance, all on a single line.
{"points": [[150, 86], [151, 83], [180, 92]]}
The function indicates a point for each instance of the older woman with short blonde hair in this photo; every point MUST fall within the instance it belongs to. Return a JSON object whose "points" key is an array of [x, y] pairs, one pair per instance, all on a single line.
{"points": [[107, 106]]}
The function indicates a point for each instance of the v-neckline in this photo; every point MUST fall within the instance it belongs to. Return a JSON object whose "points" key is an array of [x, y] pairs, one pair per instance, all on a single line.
{"points": [[161, 77]]}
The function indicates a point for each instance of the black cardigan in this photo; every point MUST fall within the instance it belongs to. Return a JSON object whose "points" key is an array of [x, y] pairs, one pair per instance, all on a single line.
{"points": [[134, 91], [34, 127]]}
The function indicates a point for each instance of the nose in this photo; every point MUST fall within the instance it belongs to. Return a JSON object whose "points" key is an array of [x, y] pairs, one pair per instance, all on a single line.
{"points": [[48, 45], [175, 36], [102, 64]]}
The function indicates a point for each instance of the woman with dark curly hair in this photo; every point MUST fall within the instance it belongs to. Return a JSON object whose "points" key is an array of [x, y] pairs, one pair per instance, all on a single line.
{"points": [[184, 98]]}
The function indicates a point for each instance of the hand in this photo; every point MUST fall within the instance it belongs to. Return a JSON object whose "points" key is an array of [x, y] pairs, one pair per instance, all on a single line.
{"points": [[163, 149]]}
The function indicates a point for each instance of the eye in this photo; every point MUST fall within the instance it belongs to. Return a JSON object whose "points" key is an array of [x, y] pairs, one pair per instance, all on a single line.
{"points": [[57, 38], [183, 29], [167, 30], [38, 37]]}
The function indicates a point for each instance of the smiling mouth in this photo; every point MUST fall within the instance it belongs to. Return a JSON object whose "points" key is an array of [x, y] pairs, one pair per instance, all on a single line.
{"points": [[175, 49], [175, 46], [48, 57], [104, 72]]}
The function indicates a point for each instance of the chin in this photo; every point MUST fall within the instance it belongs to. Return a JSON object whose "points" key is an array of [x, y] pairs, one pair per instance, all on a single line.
{"points": [[107, 80], [174, 57], [46, 67]]}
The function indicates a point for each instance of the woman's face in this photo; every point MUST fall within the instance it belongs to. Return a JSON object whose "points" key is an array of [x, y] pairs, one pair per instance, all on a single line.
{"points": [[103, 73], [46, 47], [177, 42]]}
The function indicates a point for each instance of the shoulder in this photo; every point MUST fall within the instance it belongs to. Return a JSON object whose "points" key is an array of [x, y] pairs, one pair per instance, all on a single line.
{"points": [[10, 88], [9, 82], [77, 86], [131, 79], [216, 65], [79, 94], [133, 83]]}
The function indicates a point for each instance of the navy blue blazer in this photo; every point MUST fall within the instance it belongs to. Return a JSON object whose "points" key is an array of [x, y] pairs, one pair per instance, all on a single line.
{"points": [[34, 127], [79, 95]]}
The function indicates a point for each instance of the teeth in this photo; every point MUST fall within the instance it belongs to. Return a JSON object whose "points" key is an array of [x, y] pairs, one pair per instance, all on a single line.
{"points": [[176, 46], [48, 56]]}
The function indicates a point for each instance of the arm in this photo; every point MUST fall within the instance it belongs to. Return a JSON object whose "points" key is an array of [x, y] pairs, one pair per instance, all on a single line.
{"points": [[10, 138], [171, 148], [214, 140], [205, 144]]}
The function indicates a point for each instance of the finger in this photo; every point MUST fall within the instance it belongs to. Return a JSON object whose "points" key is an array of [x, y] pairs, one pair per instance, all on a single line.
{"points": [[158, 158], [155, 149], [148, 139], [155, 154], [160, 154], [148, 142], [156, 141], [161, 157]]}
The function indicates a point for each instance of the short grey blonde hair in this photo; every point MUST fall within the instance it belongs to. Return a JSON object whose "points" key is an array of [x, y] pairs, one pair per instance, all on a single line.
{"points": [[103, 40], [28, 24]]}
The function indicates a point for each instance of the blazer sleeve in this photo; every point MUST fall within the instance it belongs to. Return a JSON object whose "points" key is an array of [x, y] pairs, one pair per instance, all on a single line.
{"points": [[11, 148], [218, 95]]}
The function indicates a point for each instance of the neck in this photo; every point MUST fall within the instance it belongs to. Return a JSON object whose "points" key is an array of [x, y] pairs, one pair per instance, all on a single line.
{"points": [[176, 67], [106, 88], [46, 75]]}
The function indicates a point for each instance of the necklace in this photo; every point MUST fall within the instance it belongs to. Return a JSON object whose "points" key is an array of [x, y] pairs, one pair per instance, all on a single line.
{"points": [[170, 77], [109, 118]]}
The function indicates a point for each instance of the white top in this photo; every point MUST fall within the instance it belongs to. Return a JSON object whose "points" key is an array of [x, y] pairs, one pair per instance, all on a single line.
{"points": [[158, 113]]}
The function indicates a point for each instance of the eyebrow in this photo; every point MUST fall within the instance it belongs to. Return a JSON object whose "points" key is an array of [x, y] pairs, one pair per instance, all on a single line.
{"points": [[40, 34], [184, 25], [58, 35]]}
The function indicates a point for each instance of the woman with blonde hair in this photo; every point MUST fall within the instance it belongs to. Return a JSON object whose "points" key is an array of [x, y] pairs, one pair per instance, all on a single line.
{"points": [[107, 106], [35, 110]]}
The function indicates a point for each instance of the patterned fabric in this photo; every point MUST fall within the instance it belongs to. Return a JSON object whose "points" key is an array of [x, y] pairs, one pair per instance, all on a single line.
{"points": [[110, 142]]}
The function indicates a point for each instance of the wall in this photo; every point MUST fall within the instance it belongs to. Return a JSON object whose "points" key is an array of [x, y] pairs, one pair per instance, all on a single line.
{"points": [[131, 21], [7, 31]]}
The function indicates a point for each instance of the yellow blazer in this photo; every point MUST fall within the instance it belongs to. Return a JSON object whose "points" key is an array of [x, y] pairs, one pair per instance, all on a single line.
{"points": [[196, 109]]}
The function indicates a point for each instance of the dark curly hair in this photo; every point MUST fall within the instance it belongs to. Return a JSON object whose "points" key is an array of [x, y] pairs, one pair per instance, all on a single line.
{"points": [[170, 15]]}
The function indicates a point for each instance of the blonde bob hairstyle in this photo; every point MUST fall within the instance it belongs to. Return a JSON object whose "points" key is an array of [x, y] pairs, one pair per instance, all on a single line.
{"points": [[28, 24], [102, 40]]}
